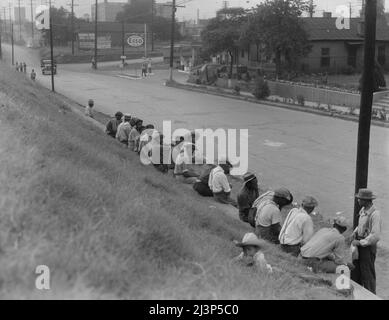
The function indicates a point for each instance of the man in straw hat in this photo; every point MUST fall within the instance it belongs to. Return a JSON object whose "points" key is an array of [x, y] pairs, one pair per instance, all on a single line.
{"points": [[268, 214], [298, 227], [325, 251], [366, 237], [252, 256], [219, 184], [247, 195]]}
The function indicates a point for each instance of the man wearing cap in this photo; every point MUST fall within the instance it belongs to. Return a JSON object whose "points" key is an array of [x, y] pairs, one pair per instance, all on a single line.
{"points": [[366, 237], [89, 108], [112, 126], [218, 183], [268, 215], [251, 255], [247, 195], [325, 251], [297, 229], [124, 129]]}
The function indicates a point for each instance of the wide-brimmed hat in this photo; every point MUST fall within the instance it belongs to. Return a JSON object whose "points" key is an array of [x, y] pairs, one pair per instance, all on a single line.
{"points": [[127, 117], [365, 194], [249, 239], [248, 177], [310, 202], [283, 193], [341, 221]]}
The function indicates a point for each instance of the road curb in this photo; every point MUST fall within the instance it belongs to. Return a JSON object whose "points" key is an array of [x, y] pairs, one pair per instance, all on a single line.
{"points": [[196, 88]]}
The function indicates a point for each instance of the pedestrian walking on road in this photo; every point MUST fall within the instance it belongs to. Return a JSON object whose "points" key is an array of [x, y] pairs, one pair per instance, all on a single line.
{"points": [[325, 251], [149, 66], [113, 124], [17, 66], [247, 195], [366, 237], [24, 67], [144, 69], [33, 75], [219, 184], [124, 129], [268, 214], [89, 108], [297, 229]]}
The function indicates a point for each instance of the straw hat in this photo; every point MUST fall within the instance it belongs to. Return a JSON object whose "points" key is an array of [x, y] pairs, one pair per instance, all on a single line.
{"points": [[365, 194], [250, 239]]}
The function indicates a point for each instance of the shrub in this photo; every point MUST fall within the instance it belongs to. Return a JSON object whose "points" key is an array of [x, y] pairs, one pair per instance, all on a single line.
{"points": [[301, 100], [237, 90], [261, 90]]}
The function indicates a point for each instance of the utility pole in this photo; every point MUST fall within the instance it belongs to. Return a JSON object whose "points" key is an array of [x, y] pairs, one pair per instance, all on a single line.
{"points": [[96, 7], [123, 36], [1, 31], [145, 40], [32, 21], [350, 9], [12, 35], [72, 27], [152, 24], [51, 49], [20, 22], [362, 166], [173, 32]]}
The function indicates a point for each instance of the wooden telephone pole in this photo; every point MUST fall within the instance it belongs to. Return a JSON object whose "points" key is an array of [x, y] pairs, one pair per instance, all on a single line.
{"points": [[362, 168]]}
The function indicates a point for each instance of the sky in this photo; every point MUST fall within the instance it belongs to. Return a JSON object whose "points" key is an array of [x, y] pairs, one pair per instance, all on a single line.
{"points": [[207, 8]]}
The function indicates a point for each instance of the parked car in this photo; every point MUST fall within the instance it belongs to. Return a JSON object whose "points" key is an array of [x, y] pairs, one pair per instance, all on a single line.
{"points": [[46, 66]]}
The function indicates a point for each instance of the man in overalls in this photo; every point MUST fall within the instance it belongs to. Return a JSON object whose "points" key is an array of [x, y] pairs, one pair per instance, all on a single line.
{"points": [[366, 237]]}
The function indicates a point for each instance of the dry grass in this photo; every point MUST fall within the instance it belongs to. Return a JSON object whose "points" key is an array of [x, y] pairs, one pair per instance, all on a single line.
{"points": [[76, 201]]}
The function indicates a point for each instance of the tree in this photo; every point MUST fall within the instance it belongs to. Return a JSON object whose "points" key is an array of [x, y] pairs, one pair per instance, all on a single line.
{"points": [[139, 11], [311, 8], [282, 31], [223, 33]]}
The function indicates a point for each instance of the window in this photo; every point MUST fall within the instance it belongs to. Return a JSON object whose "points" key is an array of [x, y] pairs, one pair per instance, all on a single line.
{"points": [[325, 57]]}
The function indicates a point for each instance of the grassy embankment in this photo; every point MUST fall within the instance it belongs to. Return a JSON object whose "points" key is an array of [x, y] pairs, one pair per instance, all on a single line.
{"points": [[74, 200]]}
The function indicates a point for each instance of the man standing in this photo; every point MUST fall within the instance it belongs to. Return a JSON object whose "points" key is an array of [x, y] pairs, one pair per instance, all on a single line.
{"points": [[268, 214], [149, 66], [219, 184], [124, 129], [144, 69], [89, 108], [325, 251], [113, 124], [33, 75], [247, 195], [298, 227], [366, 237], [24, 67], [133, 138]]}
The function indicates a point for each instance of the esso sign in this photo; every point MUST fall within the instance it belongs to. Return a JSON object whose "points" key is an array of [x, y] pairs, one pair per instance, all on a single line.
{"points": [[135, 41]]}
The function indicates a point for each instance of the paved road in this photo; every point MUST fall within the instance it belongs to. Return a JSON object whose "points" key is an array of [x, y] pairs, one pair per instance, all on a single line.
{"points": [[307, 153]]}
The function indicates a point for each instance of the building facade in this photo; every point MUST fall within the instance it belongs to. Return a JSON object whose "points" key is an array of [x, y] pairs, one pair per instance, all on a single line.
{"points": [[163, 10], [107, 11]]}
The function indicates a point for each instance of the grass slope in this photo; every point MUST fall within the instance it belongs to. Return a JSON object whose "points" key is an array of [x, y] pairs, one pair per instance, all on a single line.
{"points": [[73, 199]]}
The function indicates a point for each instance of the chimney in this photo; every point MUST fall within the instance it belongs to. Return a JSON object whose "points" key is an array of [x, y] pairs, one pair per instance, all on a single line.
{"points": [[327, 14]]}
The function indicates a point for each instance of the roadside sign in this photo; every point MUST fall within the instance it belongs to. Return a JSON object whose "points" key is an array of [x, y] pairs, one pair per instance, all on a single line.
{"points": [[123, 57], [87, 41], [135, 39], [42, 17]]}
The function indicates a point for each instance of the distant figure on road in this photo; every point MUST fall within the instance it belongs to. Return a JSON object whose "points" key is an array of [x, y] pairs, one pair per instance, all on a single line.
{"points": [[201, 186], [89, 108], [144, 69], [93, 63], [247, 195], [17, 66], [268, 214], [113, 124], [124, 129], [149, 66], [297, 229], [252, 256], [33, 75], [219, 183], [325, 251], [24, 67], [366, 237]]}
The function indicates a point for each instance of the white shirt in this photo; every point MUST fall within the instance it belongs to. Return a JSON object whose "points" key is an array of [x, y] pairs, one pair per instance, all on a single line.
{"points": [[218, 181], [297, 228]]}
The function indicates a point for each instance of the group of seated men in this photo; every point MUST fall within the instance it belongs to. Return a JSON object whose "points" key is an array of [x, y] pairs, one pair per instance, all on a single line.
{"points": [[322, 251]]}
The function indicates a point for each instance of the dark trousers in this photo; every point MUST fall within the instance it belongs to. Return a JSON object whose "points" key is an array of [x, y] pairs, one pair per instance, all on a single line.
{"points": [[364, 272], [203, 189], [294, 250], [267, 233]]}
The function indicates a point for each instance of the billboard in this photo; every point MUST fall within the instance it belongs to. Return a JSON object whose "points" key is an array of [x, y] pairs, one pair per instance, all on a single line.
{"points": [[135, 39], [87, 41]]}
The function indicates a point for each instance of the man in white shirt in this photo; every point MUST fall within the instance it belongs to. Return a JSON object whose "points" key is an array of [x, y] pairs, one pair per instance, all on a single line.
{"points": [[218, 183], [298, 227], [124, 129]]}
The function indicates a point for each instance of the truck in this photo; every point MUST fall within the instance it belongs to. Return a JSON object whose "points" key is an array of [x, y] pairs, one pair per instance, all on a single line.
{"points": [[46, 66]]}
